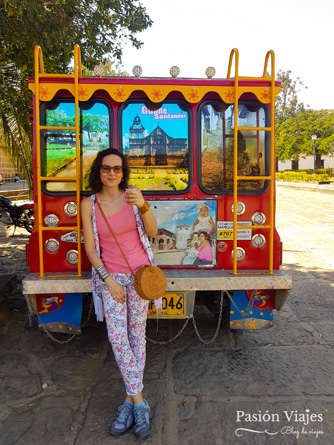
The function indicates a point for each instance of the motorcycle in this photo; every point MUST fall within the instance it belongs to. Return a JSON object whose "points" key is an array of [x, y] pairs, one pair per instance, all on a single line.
{"points": [[17, 215]]}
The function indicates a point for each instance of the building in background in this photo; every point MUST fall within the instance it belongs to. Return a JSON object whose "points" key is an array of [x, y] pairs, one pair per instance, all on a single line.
{"points": [[7, 171], [326, 162]]}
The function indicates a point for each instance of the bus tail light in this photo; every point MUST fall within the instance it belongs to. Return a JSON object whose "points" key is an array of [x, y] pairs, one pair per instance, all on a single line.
{"points": [[258, 218], [72, 256], [241, 208], [70, 208], [258, 240], [240, 253], [51, 220], [52, 245]]}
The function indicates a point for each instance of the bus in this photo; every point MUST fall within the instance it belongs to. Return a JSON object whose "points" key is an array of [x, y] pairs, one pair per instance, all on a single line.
{"points": [[203, 153]]}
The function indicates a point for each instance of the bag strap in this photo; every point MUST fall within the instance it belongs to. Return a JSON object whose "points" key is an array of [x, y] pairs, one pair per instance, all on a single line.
{"points": [[112, 232]]}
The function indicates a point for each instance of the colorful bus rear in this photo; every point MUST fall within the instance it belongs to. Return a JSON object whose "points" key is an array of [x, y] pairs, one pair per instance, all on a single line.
{"points": [[202, 166]]}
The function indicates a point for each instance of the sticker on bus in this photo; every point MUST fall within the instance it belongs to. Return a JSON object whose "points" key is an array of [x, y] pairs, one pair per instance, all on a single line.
{"points": [[225, 230]]}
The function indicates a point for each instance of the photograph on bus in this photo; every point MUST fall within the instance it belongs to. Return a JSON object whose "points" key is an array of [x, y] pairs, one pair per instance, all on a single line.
{"points": [[155, 141], [186, 233]]}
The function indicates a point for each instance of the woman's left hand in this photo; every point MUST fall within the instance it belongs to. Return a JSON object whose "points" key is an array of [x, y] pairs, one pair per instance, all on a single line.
{"points": [[134, 197]]}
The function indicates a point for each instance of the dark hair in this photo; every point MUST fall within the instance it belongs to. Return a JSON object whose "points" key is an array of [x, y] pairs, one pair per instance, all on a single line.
{"points": [[95, 183], [207, 235]]}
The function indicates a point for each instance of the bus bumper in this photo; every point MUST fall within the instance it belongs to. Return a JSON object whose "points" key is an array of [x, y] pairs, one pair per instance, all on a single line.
{"points": [[188, 281]]}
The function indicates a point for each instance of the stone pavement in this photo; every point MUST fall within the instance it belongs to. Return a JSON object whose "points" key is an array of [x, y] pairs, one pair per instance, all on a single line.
{"points": [[11, 186], [311, 186], [67, 394]]}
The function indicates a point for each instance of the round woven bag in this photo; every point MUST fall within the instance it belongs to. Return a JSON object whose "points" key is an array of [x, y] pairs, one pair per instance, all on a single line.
{"points": [[150, 282]]}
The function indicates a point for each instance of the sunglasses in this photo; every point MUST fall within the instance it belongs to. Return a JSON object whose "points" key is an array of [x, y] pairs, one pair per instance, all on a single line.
{"points": [[106, 169]]}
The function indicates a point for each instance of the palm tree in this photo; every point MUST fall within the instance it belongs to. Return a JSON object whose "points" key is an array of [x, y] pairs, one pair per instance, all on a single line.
{"points": [[14, 124]]}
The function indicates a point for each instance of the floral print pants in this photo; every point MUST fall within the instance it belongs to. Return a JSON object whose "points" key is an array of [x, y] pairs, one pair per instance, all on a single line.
{"points": [[126, 324]]}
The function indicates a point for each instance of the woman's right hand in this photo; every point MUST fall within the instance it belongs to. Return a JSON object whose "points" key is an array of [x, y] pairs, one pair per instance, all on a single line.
{"points": [[115, 289]]}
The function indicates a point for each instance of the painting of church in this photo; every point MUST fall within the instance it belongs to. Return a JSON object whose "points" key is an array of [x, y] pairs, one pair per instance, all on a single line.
{"points": [[157, 148], [164, 240]]}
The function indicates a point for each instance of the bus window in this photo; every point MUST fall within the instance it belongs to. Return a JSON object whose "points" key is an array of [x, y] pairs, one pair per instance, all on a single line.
{"points": [[155, 141], [217, 142], [59, 145]]}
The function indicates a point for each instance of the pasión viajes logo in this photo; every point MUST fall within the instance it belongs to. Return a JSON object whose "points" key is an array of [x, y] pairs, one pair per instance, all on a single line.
{"points": [[293, 422]]}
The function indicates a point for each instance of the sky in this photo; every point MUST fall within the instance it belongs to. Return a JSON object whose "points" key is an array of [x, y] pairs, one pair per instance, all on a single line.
{"points": [[195, 34]]}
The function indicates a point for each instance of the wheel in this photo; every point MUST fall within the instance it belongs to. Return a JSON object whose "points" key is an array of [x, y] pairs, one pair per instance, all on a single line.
{"points": [[29, 221]]}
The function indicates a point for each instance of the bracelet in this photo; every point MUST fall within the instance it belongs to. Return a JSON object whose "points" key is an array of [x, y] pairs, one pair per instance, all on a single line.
{"points": [[102, 273], [144, 208]]}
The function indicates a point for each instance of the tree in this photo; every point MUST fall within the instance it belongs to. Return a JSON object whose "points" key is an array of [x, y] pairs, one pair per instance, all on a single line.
{"points": [[99, 27], [110, 68], [293, 138], [287, 104]]}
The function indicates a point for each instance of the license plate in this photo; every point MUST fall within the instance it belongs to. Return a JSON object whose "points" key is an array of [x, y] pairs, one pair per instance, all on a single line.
{"points": [[173, 306]]}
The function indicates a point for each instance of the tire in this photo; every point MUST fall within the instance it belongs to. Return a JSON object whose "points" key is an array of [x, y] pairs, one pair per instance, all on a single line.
{"points": [[30, 220]]}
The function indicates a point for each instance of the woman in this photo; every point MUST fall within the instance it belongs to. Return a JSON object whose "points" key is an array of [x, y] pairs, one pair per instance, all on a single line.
{"points": [[129, 217], [204, 249]]}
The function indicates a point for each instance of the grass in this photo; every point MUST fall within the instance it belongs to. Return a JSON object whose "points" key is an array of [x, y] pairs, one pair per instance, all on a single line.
{"points": [[57, 158], [162, 179]]}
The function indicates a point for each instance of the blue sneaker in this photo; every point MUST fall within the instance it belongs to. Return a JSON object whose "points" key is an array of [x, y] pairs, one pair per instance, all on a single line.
{"points": [[124, 419], [143, 414]]}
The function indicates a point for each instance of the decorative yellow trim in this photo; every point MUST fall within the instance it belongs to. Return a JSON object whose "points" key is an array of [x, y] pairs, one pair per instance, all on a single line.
{"points": [[156, 95], [44, 93], [228, 95], [83, 94], [47, 91], [118, 93], [121, 92]]}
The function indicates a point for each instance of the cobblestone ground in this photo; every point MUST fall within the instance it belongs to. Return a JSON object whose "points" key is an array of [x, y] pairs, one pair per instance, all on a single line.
{"points": [[277, 383], [13, 260]]}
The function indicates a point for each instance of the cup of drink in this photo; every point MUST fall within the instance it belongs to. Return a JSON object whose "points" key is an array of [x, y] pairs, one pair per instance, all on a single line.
{"points": [[128, 193]]}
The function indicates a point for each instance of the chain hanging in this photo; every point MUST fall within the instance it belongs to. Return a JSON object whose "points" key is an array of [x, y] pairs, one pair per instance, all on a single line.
{"points": [[207, 342], [244, 313]]}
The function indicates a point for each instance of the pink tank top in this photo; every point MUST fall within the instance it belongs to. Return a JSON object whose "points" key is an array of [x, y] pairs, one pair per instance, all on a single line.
{"points": [[124, 227], [205, 253]]}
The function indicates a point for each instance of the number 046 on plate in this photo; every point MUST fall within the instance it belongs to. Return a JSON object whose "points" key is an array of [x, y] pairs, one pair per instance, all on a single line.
{"points": [[173, 306]]}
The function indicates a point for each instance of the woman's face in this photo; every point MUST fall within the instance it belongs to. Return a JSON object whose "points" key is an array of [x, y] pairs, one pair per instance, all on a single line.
{"points": [[201, 237], [111, 178]]}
